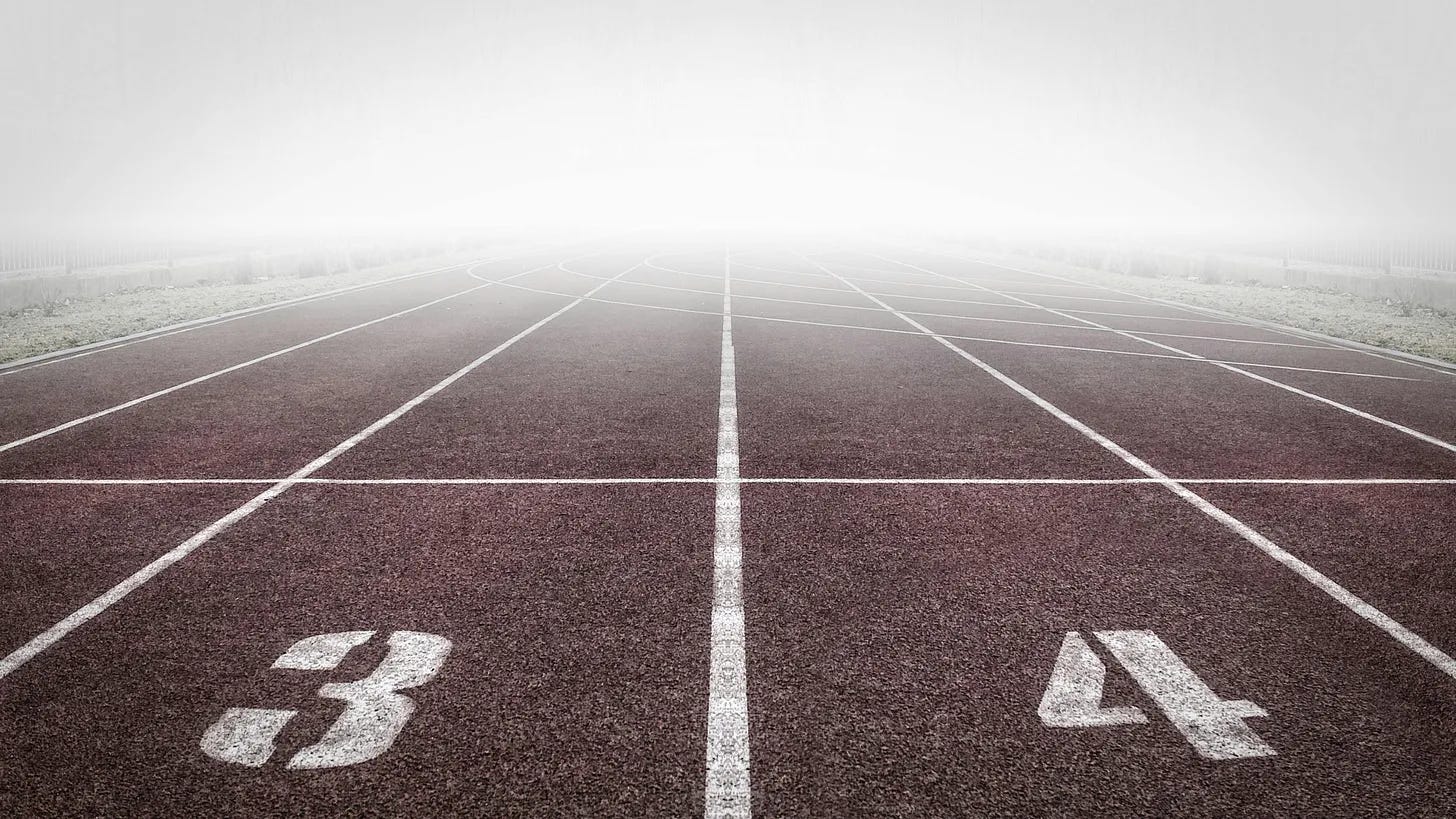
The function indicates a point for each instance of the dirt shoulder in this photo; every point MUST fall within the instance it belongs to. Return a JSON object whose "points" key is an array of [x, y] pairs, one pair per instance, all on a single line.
{"points": [[42, 329], [1393, 325]]}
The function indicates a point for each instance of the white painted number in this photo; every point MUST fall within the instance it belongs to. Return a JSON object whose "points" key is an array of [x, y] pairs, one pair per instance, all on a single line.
{"points": [[1214, 727], [375, 712]]}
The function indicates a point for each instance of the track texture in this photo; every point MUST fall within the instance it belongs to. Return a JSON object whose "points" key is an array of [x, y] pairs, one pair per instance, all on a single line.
{"points": [[673, 529]]}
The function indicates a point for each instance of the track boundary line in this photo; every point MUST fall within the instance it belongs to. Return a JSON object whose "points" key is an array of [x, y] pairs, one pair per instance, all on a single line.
{"points": [[727, 792], [116, 593], [1231, 367], [1397, 356], [1406, 637], [45, 433]]}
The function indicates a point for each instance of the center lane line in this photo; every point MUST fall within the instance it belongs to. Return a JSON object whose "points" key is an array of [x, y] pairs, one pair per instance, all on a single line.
{"points": [[1435, 656], [115, 594], [727, 793]]}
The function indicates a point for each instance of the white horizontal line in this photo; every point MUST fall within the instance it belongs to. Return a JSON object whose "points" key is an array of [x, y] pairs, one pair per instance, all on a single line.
{"points": [[988, 481]]}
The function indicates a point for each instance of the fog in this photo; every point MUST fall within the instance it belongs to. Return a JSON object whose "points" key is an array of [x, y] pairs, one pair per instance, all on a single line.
{"points": [[1236, 117]]}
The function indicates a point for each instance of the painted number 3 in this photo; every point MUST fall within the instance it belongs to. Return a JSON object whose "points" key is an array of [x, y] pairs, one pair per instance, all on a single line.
{"points": [[375, 712]]}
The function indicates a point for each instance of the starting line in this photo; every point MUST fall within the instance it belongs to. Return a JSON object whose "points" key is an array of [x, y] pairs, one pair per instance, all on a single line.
{"points": [[715, 480]]}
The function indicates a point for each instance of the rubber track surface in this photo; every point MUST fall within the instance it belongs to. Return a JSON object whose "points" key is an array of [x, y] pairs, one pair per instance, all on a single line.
{"points": [[918, 539]]}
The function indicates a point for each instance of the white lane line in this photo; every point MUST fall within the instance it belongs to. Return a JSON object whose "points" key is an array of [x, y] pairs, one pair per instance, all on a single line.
{"points": [[250, 362], [115, 594], [1234, 367], [1319, 580], [989, 481], [958, 337], [727, 790]]}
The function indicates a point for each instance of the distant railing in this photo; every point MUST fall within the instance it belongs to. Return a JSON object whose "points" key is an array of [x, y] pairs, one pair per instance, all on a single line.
{"points": [[16, 257], [1431, 256]]}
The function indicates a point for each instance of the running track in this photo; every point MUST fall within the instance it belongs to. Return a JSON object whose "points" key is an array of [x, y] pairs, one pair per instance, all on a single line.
{"points": [[674, 529]]}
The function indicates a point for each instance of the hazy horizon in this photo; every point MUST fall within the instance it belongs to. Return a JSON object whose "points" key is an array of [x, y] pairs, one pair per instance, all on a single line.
{"points": [[158, 117]]}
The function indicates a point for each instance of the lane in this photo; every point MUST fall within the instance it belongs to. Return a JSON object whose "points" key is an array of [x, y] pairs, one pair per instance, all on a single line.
{"points": [[271, 418], [606, 391], [1390, 544], [902, 639], [573, 683], [1192, 419], [817, 402], [1428, 405]]}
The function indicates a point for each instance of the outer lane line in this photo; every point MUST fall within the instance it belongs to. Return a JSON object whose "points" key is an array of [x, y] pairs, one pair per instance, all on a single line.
{"points": [[1426, 650], [1230, 366], [250, 362], [959, 337], [115, 594], [727, 792], [675, 480]]}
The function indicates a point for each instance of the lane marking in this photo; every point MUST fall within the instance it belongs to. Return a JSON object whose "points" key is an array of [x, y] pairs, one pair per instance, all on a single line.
{"points": [[45, 433], [115, 594], [1396, 356], [1214, 727], [989, 481], [959, 337], [374, 711], [1234, 367], [1427, 651], [727, 793], [1073, 696]]}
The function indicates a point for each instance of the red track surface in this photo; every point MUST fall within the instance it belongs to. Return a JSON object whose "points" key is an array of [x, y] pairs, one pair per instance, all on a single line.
{"points": [[918, 538]]}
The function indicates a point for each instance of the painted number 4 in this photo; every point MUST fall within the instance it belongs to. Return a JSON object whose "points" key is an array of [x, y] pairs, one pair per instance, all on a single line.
{"points": [[1214, 727], [373, 717]]}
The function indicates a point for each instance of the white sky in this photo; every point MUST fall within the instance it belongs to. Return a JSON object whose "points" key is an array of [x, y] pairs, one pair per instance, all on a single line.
{"points": [[178, 116]]}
